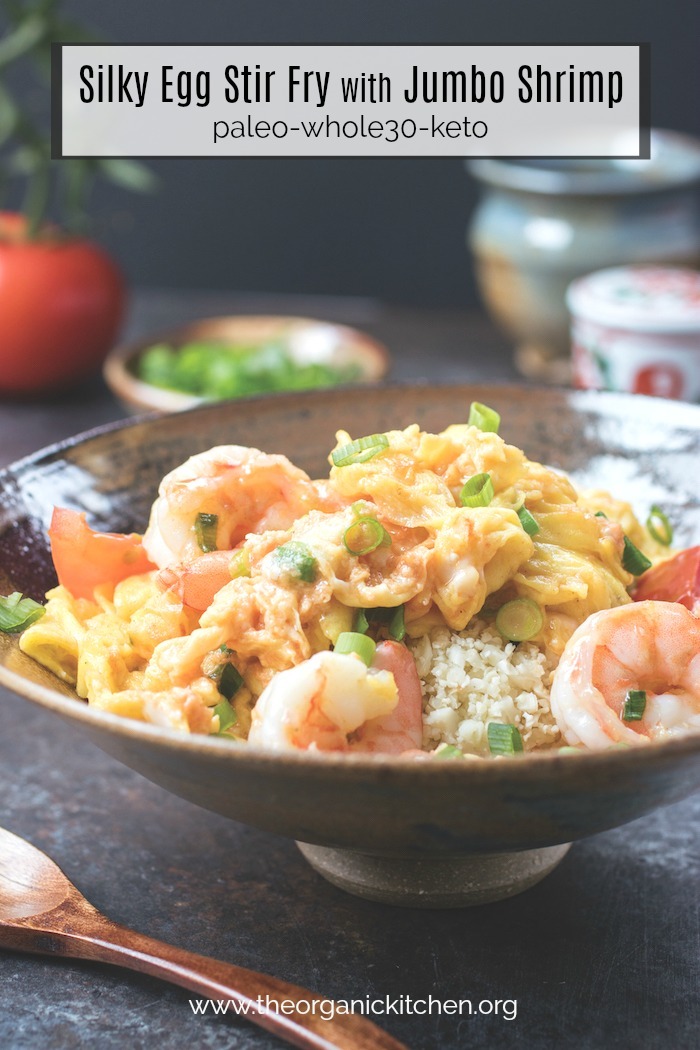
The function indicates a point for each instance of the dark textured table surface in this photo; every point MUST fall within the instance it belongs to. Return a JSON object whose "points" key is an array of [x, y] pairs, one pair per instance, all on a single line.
{"points": [[603, 953]]}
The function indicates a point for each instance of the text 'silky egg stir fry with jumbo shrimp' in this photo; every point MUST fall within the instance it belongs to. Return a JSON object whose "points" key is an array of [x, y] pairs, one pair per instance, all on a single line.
{"points": [[437, 595]]}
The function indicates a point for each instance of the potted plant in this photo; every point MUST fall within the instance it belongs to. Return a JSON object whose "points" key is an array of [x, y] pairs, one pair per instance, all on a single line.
{"points": [[62, 297]]}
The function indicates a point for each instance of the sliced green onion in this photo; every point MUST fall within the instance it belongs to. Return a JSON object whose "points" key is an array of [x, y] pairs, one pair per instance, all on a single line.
{"points": [[659, 527], [600, 514], [228, 679], [17, 613], [216, 369], [297, 561], [227, 716], [362, 508], [448, 751], [239, 564], [483, 417], [390, 620], [205, 530], [519, 620], [397, 626], [633, 560], [503, 739], [528, 522], [477, 492], [360, 451], [634, 706], [364, 536], [352, 642]]}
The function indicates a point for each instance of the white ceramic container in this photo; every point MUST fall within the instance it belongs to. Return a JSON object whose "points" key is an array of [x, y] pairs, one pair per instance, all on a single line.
{"points": [[637, 329]]}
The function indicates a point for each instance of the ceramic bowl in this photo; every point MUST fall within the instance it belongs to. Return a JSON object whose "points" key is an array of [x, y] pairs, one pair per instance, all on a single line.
{"points": [[307, 341], [393, 829]]}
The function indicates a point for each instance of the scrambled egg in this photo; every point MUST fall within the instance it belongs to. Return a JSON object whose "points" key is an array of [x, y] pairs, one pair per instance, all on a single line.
{"points": [[139, 650]]}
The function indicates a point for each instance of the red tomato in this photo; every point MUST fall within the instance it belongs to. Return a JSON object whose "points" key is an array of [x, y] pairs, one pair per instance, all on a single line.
{"points": [[197, 584], [675, 580], [61, 304], [84, 558]]}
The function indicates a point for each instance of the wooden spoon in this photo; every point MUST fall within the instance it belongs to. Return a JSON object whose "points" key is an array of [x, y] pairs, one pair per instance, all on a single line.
{"points": [[42, 911]]}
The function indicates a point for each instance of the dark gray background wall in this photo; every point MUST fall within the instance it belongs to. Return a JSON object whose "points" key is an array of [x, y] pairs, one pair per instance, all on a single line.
{"points": [[390, 228]]}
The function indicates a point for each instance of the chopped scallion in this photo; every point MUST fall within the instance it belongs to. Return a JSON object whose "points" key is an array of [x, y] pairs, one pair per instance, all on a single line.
{"points": [[503, 739], [360, 451], [634, 706], [477, 492], [352, 642], [364, 536], [600, 514], [397, 626], [227, 678], [296, 560], [659, 527], [239, 564], [17, 613], [362, 508], [389, 621], [483, 417], [216, 369], [528, 522], [205, 528], [227, 716], [230, 681], [448, 751], [633, 560], [519, 620]]}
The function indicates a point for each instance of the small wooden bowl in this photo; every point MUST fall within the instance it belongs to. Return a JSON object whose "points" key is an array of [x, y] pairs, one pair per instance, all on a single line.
{"points": [[307, 341]]}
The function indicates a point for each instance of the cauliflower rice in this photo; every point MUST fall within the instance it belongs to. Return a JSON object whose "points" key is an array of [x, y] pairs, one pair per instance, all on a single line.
{"points": [[473, 677]]}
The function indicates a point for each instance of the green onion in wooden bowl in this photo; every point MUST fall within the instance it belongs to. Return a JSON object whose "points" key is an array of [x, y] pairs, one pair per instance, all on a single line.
{"points": [[230, 357]]}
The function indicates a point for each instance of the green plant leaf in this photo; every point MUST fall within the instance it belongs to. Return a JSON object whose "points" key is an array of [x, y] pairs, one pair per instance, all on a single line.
{"points": [[23, 161], [22, 39], [62, 32], [67, 32], [33, 26], [75, 178], [8, 115], [129, 174]]}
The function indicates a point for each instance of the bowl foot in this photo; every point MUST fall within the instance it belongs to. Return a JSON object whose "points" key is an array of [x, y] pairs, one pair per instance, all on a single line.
{"points": [[434, 882]]}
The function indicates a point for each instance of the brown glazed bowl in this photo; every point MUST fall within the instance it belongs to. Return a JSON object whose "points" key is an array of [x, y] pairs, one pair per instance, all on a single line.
{"points": [[306, 340], [437, 834]]}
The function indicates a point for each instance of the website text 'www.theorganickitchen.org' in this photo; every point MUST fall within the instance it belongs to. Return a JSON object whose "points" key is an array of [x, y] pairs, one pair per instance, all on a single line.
{"points": [[384, 1006]]}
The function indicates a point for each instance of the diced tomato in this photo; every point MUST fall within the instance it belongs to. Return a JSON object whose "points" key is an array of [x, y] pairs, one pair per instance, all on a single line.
{"points": [[197, 583], [84, 558], [675, 580]]}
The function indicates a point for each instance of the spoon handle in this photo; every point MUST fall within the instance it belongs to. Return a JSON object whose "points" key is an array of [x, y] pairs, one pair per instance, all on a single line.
{"points": [[302, 1023]]}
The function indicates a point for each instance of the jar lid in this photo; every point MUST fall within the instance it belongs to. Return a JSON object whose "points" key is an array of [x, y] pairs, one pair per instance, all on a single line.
{"points": [[643, 298]]}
